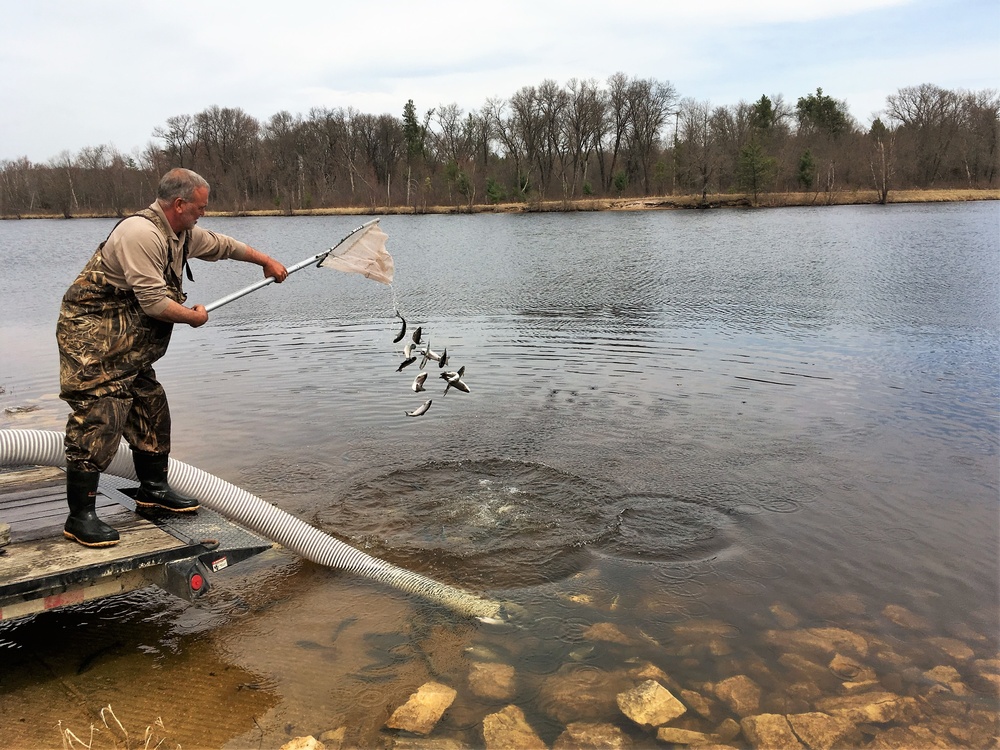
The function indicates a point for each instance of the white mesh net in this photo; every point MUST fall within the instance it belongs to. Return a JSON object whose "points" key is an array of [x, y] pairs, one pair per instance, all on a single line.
{"points": [[364, 253]]}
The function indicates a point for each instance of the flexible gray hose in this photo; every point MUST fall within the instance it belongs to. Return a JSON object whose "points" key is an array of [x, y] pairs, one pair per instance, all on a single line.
{"points": [[45, 448]]}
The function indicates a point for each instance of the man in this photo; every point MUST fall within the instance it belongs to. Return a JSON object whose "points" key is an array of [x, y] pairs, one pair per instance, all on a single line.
{"points": [[114, 323]]}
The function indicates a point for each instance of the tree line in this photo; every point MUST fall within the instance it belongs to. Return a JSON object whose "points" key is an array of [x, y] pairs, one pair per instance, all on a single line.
{"points": [[624, 137]]}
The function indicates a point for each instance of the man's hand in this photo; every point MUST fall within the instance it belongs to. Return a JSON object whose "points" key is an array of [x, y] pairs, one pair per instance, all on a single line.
{"points": [[199, 318], [275, 270]]}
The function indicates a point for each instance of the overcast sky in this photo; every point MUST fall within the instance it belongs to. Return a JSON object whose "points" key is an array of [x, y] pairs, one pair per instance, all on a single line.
{"points": [[92, 72]]}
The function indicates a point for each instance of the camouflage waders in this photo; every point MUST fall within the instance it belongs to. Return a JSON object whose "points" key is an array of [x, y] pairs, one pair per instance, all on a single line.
{"points": [[107, 346]]}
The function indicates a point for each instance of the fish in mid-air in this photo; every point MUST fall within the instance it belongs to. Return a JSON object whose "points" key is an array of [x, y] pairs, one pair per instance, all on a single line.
{"points": [[405, 362], [402, 331], [443, 359], [420, 409], [418, 382], [426, 352], [416, 335], [408, 349], [454, 380]]}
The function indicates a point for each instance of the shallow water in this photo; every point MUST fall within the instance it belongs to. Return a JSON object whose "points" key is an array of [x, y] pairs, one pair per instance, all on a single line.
{"points": [[702, 427]]}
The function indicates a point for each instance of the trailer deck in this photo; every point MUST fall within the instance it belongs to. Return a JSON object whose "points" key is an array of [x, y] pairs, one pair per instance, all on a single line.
{"points": [[40, 569]]}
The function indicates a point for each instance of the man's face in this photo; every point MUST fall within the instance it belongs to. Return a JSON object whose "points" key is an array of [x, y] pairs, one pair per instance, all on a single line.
{"points": [[190, 211]]}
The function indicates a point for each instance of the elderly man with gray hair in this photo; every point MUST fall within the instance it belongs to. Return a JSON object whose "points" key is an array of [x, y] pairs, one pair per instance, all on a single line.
{"points": [[114, 323]]}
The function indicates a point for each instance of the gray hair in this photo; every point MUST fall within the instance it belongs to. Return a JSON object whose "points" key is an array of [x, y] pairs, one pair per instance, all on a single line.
{"points": [[179, 183]]}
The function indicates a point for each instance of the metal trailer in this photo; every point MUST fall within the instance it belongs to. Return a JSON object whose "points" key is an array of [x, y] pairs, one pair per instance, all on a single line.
{"points": [[40, 569]]}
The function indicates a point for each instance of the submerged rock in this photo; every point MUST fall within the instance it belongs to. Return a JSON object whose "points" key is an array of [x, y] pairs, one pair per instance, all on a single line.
{"points": [[698, 703], [333, 739], [877, 707], [423, 709], [740, 693], [492, 681], [903, 617], [650, 704], [304, 743], [580, 693], [509, 730], [821, 731], [585, 735], [953, 648], [770, 731], [676, 736], [607, 633]]}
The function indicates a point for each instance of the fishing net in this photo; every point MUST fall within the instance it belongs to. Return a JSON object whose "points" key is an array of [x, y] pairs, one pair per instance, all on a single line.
{"points": [[363, 252]]}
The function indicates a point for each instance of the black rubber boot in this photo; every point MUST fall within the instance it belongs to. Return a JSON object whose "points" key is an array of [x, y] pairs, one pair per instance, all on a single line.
{"points": [[154, 492], [83, 525]]}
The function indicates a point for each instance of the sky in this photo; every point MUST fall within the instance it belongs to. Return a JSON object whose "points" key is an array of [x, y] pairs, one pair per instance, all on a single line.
{"points": [[109, 72]]}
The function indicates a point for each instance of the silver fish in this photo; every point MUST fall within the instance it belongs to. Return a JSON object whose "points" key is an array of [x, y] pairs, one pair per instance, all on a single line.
{"points": [[457, 384], [427, 353], [443, 359], [418, 382], [408, 349], [402, 331], [420, 409], [454, 380], [407, 361], [416, 335]]}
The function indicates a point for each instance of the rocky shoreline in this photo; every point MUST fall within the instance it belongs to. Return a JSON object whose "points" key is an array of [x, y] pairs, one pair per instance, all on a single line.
{"points": [[841, 689]]}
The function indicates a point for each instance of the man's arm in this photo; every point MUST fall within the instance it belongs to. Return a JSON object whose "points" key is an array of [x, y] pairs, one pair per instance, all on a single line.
{"points": [[196, 315], [272, 268], [175, 312]]}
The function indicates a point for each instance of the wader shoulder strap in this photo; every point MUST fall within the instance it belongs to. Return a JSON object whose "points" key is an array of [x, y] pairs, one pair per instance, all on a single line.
{"points": [[151, 215]]}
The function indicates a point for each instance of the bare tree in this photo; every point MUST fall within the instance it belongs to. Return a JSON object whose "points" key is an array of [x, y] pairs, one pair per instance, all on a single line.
{"points": [[180, 139], [615, 129], [582, 125], [928, 117], [650, 104]]}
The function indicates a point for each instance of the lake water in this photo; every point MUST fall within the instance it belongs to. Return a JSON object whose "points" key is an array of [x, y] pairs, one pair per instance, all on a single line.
{"points": [[698, 440]]}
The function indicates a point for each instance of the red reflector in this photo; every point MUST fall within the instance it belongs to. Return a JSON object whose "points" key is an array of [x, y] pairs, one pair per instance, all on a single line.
{"points": [[196, 582]]}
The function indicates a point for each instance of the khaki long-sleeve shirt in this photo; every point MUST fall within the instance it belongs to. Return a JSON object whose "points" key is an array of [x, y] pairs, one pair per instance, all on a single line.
{"points": [[135, 257]]}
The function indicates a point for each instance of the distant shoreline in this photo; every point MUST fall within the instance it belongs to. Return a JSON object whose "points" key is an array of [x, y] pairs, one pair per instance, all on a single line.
{"points": [[651, 203]]}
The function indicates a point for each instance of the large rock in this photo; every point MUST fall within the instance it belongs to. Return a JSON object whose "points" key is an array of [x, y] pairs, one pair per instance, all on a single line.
{"points": [[492, 681], [509, 730], [650, 704], [770, 732], [587, 735], [423, 709], [740, 693], [823, 732]]}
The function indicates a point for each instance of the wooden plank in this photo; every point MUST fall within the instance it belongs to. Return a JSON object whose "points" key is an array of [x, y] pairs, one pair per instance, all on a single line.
{"points": [[28, 475], [22, 561]]}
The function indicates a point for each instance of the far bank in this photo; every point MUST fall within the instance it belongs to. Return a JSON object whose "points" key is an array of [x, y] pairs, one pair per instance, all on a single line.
{"points": [[649, 203]]}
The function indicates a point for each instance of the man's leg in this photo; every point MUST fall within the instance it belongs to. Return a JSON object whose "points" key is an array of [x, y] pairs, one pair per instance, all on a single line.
{"points": [[93, 434], [147, 430]]}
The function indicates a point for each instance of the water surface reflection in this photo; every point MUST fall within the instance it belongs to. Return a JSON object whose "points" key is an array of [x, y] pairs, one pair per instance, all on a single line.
{"points": [[698, 447]]}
